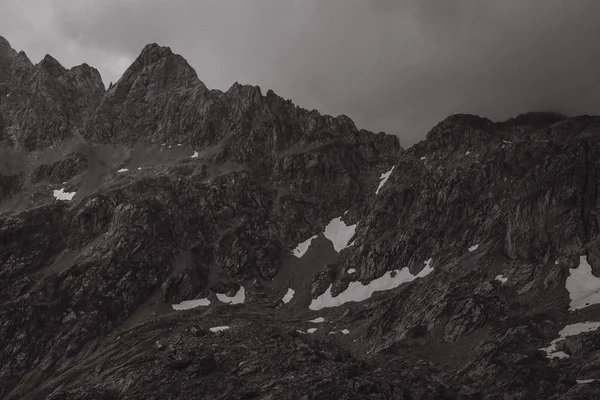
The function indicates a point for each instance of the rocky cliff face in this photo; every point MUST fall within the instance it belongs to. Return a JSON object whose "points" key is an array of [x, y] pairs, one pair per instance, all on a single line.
{"points": [[436, 272]]}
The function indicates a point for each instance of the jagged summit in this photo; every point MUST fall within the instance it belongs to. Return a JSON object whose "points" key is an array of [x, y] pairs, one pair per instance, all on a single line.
{"points": [[5, 48], [538, 118], [7, 54]]}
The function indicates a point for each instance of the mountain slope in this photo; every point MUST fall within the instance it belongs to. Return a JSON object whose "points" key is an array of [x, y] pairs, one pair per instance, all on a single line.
{"points": [[436, 272]]}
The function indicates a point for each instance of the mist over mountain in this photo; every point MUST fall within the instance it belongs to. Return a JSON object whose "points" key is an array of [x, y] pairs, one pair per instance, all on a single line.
{"points": [[163, 240]]}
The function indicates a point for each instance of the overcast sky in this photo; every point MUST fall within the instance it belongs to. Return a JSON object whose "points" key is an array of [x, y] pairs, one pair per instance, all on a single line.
{"points": [[397, 66]]}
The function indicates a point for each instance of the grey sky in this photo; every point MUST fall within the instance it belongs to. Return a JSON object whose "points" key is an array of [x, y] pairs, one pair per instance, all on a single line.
{"points": [[397, 66]]}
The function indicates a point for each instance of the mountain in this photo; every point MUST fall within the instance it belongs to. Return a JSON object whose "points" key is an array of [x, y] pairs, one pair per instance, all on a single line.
{"points": [[161, 240]]}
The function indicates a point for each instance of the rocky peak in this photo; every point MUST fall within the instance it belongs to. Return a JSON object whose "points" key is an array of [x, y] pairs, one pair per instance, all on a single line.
{"points": [[534, 119], [7, 54], [158, 66], [5, 49], [87, 78], [21, 69], [457, 132]]}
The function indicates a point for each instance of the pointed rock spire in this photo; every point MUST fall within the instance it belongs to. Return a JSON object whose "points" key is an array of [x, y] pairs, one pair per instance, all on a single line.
{"points": [[7, 54]]}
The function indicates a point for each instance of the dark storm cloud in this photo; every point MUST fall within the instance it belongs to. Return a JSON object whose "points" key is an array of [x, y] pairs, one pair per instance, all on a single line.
{"points": [[391, 65]]}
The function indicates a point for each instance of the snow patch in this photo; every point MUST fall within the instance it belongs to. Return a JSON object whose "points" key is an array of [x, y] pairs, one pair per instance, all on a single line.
{"points": [[288, 296], [189, 304], [583, 286], [351, 271], [302, 248], [345, 331], [501, 278], [339, 233], [195, 155], [238, 298], [569, 330], [139, 168], [473, 248], [317, 320], [423, 158], [311, 330], [62, 195], [219, 328], [383, 179], [467, 153], [584, 381], [123, 170], [357, 292]]}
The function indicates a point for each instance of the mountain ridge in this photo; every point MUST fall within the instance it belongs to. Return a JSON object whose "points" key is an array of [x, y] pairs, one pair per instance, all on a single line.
{"points": [[441, 271]]}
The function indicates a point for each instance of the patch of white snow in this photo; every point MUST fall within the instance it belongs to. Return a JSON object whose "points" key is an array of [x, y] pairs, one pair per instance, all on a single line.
{"points": [[351, 271], [357, 292], [583, 286], [473, 248], [288, 296], [195, 155], [62, 195], [302, 248], [501, 278], [423, 158], [584, 381], [219, 328], [189, 304], [123, 170], [311, 330], [237, 298], [383, 179], [569, 330], [317, 320], [345, 331], [467, 153], [339, 233]]}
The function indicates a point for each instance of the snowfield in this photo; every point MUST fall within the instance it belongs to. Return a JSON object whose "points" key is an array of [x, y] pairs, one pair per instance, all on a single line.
{"points": [[219, 328], [288, 296], [302, 248], [238, 298], [339, 233], [383, 179], [357, 292], [62, 195], [189, 304], [569, 330], [583, 286]]}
